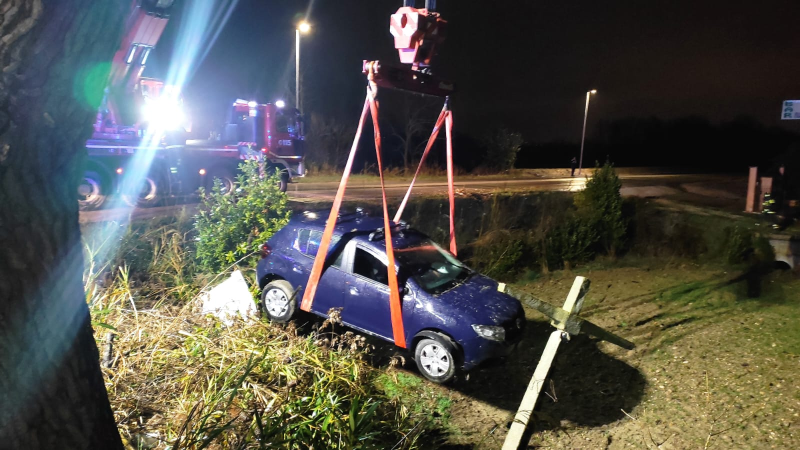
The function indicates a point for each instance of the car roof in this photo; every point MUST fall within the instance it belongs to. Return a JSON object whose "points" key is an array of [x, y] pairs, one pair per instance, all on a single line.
{"points": [[357, 222]]}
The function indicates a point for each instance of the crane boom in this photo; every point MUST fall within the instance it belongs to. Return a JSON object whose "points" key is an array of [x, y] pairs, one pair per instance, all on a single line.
{"points": [[143, 29]]}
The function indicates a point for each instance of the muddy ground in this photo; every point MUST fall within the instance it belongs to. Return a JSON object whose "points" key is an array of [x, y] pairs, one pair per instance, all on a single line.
{"points": [[712, 368]]}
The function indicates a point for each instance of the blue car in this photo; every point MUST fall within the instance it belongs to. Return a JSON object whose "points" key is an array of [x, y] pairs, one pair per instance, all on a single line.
{"points": [[453, 317]]}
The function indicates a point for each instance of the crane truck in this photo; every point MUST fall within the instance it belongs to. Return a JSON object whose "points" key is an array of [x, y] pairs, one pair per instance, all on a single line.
{"points": [[144, 115]]}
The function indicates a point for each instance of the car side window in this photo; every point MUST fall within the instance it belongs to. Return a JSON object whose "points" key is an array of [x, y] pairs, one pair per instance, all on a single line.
{"points": [[307, 242], [368, 266]]}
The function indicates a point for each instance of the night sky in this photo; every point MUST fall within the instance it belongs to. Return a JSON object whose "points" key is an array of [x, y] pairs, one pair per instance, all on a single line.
{"points": [[525, 65]]}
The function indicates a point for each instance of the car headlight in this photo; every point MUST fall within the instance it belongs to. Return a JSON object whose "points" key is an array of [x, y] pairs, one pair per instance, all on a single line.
{"points": [[493, 333]]}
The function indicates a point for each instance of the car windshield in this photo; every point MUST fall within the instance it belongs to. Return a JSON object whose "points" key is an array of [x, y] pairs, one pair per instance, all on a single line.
{"points": [[434, 269]]}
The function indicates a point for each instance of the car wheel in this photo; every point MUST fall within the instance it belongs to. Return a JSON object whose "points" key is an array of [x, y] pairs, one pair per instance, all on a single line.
{"points": [[277, 301], [435, 358]]}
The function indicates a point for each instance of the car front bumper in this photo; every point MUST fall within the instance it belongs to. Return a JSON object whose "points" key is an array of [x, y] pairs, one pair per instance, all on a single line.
{"points": [[478, 350]]}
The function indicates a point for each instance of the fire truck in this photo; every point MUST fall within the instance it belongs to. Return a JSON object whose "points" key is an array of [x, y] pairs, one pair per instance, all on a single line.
{"points": [[141, 122]]}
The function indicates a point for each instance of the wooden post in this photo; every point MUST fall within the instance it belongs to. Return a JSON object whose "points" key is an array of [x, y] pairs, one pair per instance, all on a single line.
{"points": [[750, 205], [572, 305]]}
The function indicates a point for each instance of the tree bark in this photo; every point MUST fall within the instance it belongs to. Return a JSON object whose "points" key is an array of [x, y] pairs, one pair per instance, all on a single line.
{"points": [[54, 56]]}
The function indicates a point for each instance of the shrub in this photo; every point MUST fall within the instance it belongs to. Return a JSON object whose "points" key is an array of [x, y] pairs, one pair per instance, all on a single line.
{"points": [[600, 204], [744, 246], [502, 147], [499, 254], [233, 224], [570, 242]]}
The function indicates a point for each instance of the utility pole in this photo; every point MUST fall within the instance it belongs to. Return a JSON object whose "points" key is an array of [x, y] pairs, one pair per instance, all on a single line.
{"points": [[583, 136], [302, 27]]}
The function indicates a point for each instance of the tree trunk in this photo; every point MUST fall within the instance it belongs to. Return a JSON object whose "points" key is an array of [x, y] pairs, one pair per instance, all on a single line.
{"points": [[55, 57]]}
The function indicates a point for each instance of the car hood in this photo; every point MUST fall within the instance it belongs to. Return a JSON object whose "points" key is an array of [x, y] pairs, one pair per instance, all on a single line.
{"points": [[479, 299]]}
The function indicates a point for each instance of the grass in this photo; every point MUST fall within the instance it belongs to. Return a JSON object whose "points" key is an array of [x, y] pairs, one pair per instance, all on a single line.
{"points": [[419, 395], [178, 379], [430, 402], [719, 365]]}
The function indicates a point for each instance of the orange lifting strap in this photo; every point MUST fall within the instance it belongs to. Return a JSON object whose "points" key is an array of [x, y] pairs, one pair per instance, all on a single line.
{"points": [[396, 308]]}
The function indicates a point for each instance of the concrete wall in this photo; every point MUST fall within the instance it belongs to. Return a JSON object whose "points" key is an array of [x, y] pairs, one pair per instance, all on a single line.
{"points": [[787, 249]]}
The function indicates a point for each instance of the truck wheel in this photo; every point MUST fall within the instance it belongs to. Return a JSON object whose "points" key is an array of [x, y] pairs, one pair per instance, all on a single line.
{"points": [[278, 302], [436, 358], [225, 176], [147, 193], [91, 191]]}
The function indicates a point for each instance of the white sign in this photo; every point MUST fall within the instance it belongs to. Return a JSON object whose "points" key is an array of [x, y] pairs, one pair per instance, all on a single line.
{"points": [[791, 110], [229, 299]]}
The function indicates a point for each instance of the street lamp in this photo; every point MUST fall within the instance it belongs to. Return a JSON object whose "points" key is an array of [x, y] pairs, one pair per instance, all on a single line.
{"points": [[303, 27], [583, 136]]}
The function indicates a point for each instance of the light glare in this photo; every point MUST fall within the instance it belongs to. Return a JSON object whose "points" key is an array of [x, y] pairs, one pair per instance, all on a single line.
{"points": [[304, 27], [280, 103]]}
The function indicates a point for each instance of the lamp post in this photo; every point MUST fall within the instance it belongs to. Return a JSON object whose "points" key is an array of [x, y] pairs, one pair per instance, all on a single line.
{"points": [[583, 135], [302, 27]]}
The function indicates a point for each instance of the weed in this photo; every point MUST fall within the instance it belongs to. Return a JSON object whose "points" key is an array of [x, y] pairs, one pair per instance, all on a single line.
{"points": [[429, 403], [187, 382]]}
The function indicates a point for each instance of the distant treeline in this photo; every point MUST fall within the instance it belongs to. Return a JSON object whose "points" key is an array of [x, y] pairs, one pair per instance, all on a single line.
{"points": [[690, 142]]}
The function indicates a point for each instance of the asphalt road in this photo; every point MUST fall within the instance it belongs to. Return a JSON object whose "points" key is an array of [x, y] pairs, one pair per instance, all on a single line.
{"points": [[651, 185]]}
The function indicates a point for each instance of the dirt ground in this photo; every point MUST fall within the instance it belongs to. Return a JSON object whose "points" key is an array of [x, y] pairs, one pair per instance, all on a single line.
{"points": [[712, 368]]}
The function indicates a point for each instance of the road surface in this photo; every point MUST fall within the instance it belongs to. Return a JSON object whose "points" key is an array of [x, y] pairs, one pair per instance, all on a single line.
{"points": [[644, 185]]}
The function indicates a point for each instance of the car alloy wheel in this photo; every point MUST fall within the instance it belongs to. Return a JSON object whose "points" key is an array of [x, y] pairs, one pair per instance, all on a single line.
{"points": [[435, 358], [276, 302]]}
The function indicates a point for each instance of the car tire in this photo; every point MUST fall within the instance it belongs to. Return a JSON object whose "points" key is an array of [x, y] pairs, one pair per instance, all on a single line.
{"points": [[278, 302], [435, 356]]}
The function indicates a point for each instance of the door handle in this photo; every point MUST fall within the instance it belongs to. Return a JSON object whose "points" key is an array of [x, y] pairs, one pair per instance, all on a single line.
{"points": [[353, 290], [297, 269]]}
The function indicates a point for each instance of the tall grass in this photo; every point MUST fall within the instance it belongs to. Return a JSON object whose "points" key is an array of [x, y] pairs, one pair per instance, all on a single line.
{"points": [[178, 379]]}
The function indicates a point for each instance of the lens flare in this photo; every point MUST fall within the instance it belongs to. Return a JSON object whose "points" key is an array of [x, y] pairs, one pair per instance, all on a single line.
{"points": [[200, 25]]}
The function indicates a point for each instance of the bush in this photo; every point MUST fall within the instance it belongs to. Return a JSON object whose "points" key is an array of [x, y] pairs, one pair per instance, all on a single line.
{"points": [[232, 225], [502, 147], [570, 242], [744, 246], [600, 205], [499, 254]]}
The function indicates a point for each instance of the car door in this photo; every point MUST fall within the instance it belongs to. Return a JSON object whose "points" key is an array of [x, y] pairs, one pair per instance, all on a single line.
{"points": [[330, 288], [366, 294]]}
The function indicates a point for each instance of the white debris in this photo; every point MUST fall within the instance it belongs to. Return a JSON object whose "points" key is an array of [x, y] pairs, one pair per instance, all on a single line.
{"points": [[229, 299]]}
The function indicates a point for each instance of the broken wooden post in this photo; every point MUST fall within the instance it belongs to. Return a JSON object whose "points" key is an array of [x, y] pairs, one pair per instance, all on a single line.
{"points": [[567, 323]]}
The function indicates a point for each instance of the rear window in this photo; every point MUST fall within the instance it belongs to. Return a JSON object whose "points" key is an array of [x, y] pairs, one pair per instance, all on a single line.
{"points": [[307, 242]]}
